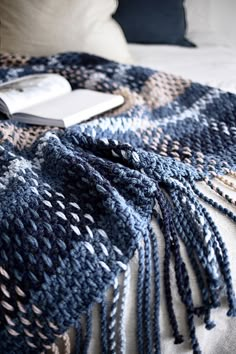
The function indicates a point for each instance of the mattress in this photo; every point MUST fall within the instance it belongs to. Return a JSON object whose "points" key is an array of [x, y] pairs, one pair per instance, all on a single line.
{"points": [[208, 64]]}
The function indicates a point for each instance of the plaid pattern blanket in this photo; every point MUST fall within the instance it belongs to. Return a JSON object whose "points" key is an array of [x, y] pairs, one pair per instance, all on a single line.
{"points": [[77, 203]]}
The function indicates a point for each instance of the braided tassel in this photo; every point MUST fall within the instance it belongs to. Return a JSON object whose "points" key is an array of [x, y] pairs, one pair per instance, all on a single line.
{"points": [[166, 232], [182, 280], [104, 326], [202, 245], [140, 300], [121, 324], [78, 338], [220, 192], [67, 344], [180, 269], [205, 243], [225, 181], [88, 332], [222, 258], [113, 318], [213, 203], [55, 349], [147, 327], [180, 224], [156, 314]]}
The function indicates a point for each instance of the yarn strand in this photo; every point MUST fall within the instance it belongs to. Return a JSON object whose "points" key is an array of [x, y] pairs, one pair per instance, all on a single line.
{"points": [[122, 328], [156, 313], [113, 318], [140, 300]]}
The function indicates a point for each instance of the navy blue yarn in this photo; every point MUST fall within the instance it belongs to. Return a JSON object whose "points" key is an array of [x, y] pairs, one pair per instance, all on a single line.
{"points": [[223, 259], [112, 329], [88, 331], [182, 281], [214, 204], [104, 326], [221, 193], [222, 256], [181, 273], [113, 170], [180, 224], [78, 338], [156, 312], [140, 319], [199, 246], [147, 325], [166, 231]]}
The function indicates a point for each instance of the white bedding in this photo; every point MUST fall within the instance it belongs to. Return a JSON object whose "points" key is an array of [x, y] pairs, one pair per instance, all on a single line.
{"points": [[207, 64]]}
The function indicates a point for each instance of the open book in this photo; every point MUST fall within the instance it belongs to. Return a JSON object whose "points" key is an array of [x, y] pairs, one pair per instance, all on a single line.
{"points": [[47, 99]]}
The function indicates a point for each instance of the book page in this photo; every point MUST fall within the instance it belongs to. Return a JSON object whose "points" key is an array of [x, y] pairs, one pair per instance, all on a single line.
{"points": [[33, 89], [71, 108]]}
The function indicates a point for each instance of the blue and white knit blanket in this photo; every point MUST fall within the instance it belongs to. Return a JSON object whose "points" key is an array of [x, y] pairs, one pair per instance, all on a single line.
{"points": [[77, 203]]}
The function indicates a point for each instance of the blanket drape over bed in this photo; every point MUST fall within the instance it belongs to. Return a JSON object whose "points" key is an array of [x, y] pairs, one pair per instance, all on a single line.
{"points": [[77, 203]]}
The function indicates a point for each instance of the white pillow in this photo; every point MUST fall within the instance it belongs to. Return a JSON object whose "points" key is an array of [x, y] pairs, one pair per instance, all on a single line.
{"points": [[211, 22], [44, 27]]}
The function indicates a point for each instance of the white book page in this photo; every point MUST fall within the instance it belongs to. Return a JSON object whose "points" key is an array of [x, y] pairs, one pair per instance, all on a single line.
{"points": [[71, 108], [32, 90]]}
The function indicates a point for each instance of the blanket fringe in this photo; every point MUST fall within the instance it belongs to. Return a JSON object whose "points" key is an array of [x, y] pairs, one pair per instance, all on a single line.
{"points": [[141, 274], [231, 173], [226, 182], [113, 317], [121, 323], [78, 338], [182, 219], [103, 324], [185, 218], [219, 191], [55, 349], [156, 297], [67, 343]]}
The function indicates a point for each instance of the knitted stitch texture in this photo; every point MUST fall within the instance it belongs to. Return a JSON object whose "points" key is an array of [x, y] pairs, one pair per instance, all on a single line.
{"points": [[77, 203]]}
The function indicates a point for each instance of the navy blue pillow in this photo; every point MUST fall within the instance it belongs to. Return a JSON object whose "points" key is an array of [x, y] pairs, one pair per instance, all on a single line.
{"points": [[153, 21]]}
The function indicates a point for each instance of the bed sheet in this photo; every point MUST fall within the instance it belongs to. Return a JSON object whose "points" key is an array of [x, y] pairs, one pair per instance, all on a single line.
{"points": [[208, 64]]}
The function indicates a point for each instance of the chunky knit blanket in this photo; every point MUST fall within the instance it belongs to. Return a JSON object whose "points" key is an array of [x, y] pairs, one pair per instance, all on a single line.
{"points": [[76, 204]]}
